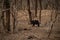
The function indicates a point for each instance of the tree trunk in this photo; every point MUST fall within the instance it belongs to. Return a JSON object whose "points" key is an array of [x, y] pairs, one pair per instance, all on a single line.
{"points": [[3, 20], [21, 4], [3, 16], [30, 16], [13, 8], [40, 10], [8, 20], [7, 6], [35, 8], [56, 1], [56, 5]]}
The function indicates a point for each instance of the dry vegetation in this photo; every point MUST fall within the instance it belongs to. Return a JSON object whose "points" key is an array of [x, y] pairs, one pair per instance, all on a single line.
{"points": [[16, 15]]}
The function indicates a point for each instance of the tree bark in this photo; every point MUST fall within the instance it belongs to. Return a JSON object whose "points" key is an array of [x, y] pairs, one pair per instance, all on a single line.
{"points": [[8, 20], [56, 8], [13, 8], [7, 6], [35, 8], [30, 16], [40, 10]]}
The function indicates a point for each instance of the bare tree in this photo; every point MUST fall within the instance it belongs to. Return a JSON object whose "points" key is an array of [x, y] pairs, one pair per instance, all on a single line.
{"points": [[30, 16], [2, 17], [40, 10], [13, 13], [56, 12], [21, 4], [7, 5], [35, 8]]}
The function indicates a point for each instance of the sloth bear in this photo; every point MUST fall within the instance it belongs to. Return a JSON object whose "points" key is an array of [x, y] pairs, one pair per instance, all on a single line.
{"points": [[35, 22]]}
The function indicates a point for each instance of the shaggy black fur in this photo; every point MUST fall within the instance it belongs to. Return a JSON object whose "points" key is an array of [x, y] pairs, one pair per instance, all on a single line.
{"points": [[35, 22]]}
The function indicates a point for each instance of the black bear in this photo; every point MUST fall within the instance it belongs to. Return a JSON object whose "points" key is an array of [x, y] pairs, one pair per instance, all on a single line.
{"points": [[35, 22]]}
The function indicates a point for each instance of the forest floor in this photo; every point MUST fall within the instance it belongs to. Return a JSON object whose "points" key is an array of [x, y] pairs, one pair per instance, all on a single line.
{"points": [[34, 33]]}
